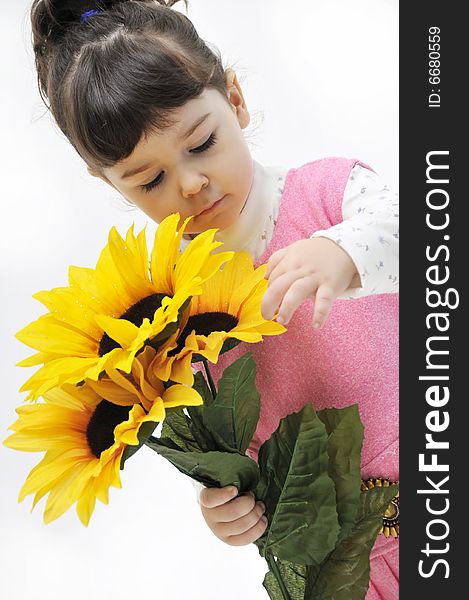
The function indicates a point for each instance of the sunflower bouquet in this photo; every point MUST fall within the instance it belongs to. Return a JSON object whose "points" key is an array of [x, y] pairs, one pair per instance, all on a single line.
{"points": [[115, 353]]}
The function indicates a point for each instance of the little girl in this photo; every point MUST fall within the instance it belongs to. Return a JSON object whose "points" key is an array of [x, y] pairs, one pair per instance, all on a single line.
{"points": [[152, 111]]}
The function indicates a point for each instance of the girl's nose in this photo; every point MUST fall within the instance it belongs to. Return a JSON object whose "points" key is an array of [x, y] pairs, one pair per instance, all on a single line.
{"points": [[192, 183]]}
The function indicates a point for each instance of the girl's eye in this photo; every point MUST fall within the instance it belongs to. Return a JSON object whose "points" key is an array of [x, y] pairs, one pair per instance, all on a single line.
{"points": [[158, 179], [206, 145], [152, 184]]}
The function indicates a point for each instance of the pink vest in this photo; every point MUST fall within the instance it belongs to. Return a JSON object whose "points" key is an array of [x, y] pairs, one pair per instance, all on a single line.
{"points": [[353, 358]]}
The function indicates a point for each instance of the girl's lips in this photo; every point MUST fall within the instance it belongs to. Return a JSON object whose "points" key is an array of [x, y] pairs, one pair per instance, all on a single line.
{"points": [[211, 208]]}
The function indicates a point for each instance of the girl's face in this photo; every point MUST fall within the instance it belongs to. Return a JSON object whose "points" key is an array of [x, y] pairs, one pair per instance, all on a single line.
{"points": [[200, 166]]}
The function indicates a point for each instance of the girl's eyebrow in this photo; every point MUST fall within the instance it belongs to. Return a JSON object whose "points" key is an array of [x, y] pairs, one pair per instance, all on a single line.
{"points": [[136, 170], [194, 126]]}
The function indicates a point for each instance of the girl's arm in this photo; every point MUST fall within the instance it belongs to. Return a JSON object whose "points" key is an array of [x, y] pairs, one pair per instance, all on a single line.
{"points": [[356, 257], [369, 233]]}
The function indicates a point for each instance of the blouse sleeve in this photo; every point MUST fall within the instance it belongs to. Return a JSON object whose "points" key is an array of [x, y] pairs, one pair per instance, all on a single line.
{"points": [[369, 233]]}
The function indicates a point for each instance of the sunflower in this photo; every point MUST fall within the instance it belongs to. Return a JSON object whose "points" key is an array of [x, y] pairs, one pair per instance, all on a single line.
{"points": [[107, 314], [85, 437], [227, 311], [142, 386]]}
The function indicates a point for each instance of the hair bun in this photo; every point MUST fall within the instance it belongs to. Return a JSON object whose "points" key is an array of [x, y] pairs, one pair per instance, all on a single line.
{"points": [[51, 19]]}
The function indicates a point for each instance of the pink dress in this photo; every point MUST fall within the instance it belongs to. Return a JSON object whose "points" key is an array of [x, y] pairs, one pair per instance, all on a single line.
{"points": [[353, 358]]}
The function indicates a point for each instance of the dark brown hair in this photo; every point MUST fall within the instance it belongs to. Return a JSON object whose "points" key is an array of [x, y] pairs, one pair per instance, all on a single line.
{"points": [[111, 77]]}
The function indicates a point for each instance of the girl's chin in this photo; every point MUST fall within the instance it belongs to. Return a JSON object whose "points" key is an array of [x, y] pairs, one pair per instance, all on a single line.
{"points": [[192, 234], [220, 222]]}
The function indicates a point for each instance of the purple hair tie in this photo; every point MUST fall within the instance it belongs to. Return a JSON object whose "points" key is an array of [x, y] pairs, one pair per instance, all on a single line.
{"points": [[86, 15]]}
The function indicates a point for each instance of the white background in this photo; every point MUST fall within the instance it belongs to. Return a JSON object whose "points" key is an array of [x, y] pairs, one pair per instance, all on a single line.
{"points": [[320, 77]]}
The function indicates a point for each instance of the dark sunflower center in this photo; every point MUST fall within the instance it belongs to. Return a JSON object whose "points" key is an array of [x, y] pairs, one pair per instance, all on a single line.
{"points": [[144, 308], [204, 324], [100, 430]]}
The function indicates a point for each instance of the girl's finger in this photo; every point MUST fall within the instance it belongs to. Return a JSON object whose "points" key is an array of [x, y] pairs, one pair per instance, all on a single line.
{"points": [[235, 509], [280, 268], [227, 529], [273, 261], [275, 293], [322, 306], [213, 497], [298, 292], [249, 536]]}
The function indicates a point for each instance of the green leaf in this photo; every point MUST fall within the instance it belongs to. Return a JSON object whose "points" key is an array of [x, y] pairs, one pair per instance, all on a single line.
{"points": [[176, 427], [298, 493], [213, 469], [202, 434], [200, 385], [235, 411], [228, 422], [345, 431], [145, 431], [228, 345], [294, 578], [345, 574], [207, 439], [198, 429]]}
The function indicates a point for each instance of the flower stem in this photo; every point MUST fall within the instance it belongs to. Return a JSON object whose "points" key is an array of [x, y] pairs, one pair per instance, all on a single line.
{"points": [[209, 377], [278, 576]]}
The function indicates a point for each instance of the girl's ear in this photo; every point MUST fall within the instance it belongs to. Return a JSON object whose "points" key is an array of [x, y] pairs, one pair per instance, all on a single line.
{"points": [[236, 98]]}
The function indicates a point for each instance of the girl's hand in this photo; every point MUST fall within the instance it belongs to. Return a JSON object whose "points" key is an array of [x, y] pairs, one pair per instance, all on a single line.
{"points": [[235, 520], [314, 268]]}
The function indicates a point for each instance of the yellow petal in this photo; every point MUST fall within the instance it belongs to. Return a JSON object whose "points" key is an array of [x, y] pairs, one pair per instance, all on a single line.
{"points": [[65, 306], [101, 298], [34, 359], [49, 468], [69, 369], [86, 503], [180, 395], [70, 396], [181, 371], [157, 412], [50, 335], [126, 432], [109, 283], [164, 254], [64, 493], [122, 331], [131, 266], [213, 265], [114, 393]]}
